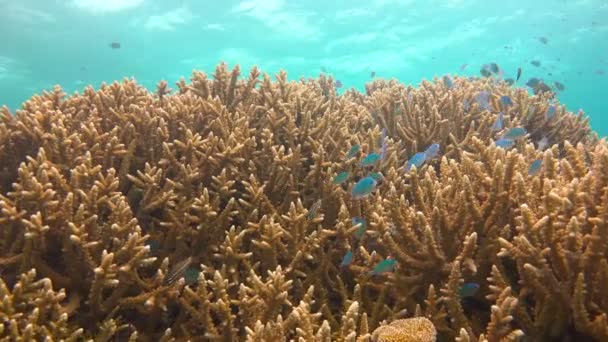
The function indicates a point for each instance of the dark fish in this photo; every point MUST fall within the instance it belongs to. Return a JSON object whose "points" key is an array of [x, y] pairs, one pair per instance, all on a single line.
{"points": [[600, 72], [462, 67], [447, 81], [518, 74], [494, 68], [373, 74], [115, 45], [541, 87], [535, 63], [177, 272], [559, 86], [543, 40], [468, 290], [550, 112], [506, 100], [510, 81], [312, 213], [533, 82], [485, 72], [338, 84]]}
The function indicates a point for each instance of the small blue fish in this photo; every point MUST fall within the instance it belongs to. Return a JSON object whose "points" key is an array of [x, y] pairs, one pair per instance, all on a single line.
{"points": [[387, 265], [468, 290], [364, 187], [431, 152], [312, 213], [347, 259], [506, 101], [448, 82], [153, 243], [416, 160], [362, 227], [467, 105], [504, 143], [514, 133], [483, 99], [550, 112], [371, 159], [377, 176], [534, 168], [340, 177], [154, 246], [497, 126], [353, 151], [191, 275]]}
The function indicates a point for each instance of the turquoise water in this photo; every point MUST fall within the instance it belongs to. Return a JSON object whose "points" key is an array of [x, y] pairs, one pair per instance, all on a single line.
{"points": [[47, 42]]}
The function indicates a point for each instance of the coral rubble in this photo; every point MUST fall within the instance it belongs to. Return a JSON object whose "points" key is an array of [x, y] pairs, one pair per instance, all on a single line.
{"points": [[165, 216]]}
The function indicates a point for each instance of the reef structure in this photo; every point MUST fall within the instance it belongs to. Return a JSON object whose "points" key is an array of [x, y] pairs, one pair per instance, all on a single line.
{"points": [[170, 216]]}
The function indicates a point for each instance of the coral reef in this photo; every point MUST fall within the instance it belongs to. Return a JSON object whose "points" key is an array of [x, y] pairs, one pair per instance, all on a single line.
{"points": [[130, 215]]}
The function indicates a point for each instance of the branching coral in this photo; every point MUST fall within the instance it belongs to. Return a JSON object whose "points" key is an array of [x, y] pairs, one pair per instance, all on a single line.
{"points": [[111, 200]]}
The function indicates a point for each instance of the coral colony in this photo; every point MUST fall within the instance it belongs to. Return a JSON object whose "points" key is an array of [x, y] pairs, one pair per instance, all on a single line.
{"points": [[256, 210]]}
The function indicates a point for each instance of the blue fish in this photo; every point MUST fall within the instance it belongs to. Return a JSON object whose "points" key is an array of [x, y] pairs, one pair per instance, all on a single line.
{"points": [[504, 143], [534, 168], [550, 112], [514, 133], [353, 151], [431, 152], [340, 177], [416, 160], [376, 175], [506, 101], [448, 82], [154, 244], [468, 290], [483, 99], [191, 275], [371, 159], [387, 265], [497, 126], [347, 259], [364, 187], [362, 227]]}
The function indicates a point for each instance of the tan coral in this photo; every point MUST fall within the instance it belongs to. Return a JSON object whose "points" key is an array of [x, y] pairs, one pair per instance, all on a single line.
{"points": [[417, 329], [105, 192]]}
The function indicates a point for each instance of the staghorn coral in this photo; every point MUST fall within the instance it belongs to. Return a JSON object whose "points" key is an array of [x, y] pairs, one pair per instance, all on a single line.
{"points": [[108, 195]]}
